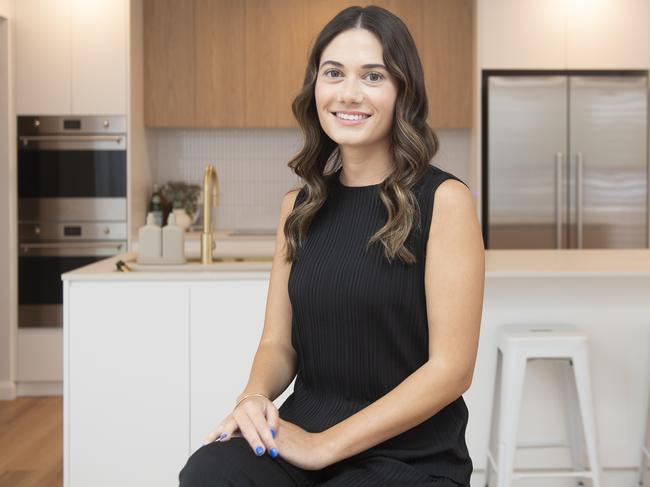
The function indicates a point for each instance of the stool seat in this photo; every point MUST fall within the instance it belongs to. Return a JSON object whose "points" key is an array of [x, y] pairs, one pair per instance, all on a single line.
{"points": [[534, 334], [516, 344]]}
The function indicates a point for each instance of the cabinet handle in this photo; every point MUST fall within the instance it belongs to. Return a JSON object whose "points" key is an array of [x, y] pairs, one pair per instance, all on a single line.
{"points": [[558, 200], [579, 164]]}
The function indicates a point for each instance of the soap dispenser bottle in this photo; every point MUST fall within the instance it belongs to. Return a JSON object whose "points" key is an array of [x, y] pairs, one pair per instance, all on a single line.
{"points": [[173, 245], [149, 241]]}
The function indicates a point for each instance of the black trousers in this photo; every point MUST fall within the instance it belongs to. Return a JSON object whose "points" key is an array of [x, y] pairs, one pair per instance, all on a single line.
{"points": [[234, 464]]}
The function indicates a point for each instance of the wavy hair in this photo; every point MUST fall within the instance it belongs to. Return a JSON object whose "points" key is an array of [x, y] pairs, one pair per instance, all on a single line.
{"points": [[413, 142]]}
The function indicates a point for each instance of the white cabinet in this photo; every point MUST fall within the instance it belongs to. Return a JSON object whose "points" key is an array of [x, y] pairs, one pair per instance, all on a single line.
{"points": [[126, 383], [43, 60], [563, 34], [150, 367], [99, 57], [612, 34], [71, 57], [226, 326], [521, 34]]}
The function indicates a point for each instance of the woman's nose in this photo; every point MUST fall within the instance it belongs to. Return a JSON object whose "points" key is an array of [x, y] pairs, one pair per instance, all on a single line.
{"points": [[350, 92]]}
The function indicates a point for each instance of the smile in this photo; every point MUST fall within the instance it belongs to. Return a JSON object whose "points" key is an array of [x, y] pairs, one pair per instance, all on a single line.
{"points": [[348, 119]]}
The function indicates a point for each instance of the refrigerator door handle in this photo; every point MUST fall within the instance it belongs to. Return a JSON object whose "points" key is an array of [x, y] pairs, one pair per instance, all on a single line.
{"points": [[558, 200], [579, 164]]}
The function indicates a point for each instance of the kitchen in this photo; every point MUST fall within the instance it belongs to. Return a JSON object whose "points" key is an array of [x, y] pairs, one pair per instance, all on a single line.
{"points": [[128, 67]]}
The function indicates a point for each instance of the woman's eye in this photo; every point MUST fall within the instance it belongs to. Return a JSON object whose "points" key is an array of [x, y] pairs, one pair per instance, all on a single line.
{"points": [[330, 71], [373, 77]]}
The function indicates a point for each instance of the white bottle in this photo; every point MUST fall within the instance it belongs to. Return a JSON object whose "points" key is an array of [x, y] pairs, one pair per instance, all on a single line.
{"points": [[149, 241], [173, 242]]}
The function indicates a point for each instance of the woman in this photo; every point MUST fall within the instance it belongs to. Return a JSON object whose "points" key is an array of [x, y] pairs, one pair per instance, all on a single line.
{"points": [[374, 299]]}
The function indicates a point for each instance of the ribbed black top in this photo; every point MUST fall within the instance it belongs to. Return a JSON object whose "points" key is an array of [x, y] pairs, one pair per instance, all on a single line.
{"points": [[359, 326]]}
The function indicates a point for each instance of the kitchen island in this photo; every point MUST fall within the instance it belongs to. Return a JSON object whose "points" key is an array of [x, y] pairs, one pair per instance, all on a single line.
{"points": [[153, 360]]}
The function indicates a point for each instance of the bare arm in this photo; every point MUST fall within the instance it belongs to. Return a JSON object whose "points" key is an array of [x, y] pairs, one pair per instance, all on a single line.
{"points": [[274, 365]]}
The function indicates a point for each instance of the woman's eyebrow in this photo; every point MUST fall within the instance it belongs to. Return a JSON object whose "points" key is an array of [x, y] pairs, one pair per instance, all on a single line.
{"points": [[365, 66]]}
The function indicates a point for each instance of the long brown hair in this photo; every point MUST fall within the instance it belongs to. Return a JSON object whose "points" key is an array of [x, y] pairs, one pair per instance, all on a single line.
{"points": [[413, 142]]}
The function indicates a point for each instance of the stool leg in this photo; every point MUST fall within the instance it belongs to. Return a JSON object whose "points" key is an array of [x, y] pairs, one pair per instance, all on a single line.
{"points": [[644, 479], [585, 398], [514, 369], [496, 406], [573, 419]]}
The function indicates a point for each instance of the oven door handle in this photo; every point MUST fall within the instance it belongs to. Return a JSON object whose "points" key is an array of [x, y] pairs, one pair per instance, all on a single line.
{"points": [[27, 247], [25, 139]]}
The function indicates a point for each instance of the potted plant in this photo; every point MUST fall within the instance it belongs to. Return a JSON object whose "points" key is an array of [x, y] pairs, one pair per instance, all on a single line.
{"points": [[184, 199]]}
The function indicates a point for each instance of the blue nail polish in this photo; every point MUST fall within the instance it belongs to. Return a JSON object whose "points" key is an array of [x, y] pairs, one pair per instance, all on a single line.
{"points": [[273, 452], [259, 450], [273, 433]]}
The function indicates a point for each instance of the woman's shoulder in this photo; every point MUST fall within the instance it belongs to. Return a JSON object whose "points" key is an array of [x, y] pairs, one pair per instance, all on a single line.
{"points": [[299, 193], [432, 178]]}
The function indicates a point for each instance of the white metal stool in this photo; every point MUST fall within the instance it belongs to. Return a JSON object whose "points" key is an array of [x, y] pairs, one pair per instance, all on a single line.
{"points": [[516, 344]]}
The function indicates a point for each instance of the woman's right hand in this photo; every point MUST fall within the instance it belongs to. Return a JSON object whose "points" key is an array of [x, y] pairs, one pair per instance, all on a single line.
{"points": [[253, 418]]}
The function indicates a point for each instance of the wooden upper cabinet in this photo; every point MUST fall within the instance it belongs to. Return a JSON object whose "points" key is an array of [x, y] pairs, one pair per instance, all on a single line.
{"points": [[227, 63], [168, 63], [443, 34], [220, 73], [276, 57], [320, 13], [446, 50]]}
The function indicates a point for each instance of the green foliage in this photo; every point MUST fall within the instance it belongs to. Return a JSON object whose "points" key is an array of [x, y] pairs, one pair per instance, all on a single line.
{"points": [[182, 195]]}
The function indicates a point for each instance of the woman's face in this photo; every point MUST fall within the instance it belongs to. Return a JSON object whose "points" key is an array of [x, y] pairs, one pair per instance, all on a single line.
{"points": [[351, 80]]}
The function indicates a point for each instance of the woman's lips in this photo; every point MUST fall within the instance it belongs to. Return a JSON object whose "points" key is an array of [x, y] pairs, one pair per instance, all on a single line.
{"points": [[349, 122]]}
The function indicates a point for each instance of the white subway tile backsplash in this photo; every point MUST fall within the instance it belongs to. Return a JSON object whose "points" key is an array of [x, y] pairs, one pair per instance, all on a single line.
{"points": [[252, 167]]}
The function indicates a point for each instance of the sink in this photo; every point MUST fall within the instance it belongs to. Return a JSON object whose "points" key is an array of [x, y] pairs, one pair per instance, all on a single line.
{"points": [[195, 265], [253, 232]]}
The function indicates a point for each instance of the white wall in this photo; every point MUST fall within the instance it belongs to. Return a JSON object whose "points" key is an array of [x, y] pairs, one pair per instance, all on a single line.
{"points": [[8, 294]]}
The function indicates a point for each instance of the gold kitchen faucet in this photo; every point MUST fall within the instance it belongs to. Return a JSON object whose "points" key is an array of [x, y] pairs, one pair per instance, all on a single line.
{"points": [[210, 200]]}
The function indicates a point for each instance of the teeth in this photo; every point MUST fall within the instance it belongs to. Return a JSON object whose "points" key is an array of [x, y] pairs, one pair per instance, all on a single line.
{"points": [[345, 116]]}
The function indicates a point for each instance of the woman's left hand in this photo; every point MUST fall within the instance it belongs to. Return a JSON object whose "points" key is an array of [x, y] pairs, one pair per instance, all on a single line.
{"points": [[301, 448]]}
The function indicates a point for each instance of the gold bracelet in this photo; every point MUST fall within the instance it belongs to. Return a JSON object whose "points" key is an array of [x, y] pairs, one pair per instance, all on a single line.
{"points": [[250, 395]]}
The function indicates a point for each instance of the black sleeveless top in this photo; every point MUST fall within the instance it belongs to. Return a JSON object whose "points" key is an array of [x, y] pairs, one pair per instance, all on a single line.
{"points": [[359, 326]]}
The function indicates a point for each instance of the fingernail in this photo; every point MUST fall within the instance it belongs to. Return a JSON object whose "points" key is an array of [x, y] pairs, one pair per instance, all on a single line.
{"points": [[273, 452], [259, 450], [222, 436], [273, 433]]}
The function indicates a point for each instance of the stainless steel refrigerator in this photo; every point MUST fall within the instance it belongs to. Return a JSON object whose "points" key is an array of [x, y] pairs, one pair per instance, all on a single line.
{"points": [[565, 160]]}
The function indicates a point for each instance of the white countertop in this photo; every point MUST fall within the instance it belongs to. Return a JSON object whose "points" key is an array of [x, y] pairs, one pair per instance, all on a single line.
{"points": [[570, 262], [499, 263]]}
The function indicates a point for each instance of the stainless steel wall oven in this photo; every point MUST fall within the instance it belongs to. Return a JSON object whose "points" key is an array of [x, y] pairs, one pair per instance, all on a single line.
{"points": [[71, 205]]}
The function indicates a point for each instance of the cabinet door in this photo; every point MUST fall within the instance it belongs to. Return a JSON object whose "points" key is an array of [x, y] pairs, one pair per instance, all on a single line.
{"points": [[522, 34], [446, 49], [99, 57], [220, 67], [226, 326], [168, 63], [320, 13], [276, 58], [608, 35], [43, 57], [443, 34], [126, 380]]}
